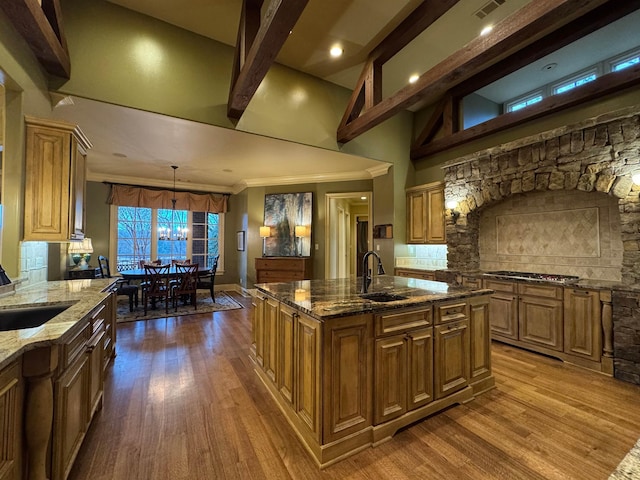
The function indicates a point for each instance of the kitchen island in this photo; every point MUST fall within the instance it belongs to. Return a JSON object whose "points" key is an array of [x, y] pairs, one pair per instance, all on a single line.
{"points": [[56, 341], [348, 370]]}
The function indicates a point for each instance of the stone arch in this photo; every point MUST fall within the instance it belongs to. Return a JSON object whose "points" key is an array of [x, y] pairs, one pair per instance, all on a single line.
{"points": [[597, 155]]}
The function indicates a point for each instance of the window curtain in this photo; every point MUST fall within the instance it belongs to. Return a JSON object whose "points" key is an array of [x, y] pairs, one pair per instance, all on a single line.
{"points": [[131, 196]]}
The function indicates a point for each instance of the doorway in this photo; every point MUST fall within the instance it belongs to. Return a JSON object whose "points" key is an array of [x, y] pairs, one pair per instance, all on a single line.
{"points": [[348, 233]]}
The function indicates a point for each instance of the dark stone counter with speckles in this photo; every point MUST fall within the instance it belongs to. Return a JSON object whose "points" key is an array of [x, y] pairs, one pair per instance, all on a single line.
{"points": [[325, 299]]}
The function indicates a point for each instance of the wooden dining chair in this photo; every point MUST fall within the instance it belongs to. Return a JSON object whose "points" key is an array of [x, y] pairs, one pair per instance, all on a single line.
{"points": [[186, 286], [208, 282], [157, 287], [122, 286]]}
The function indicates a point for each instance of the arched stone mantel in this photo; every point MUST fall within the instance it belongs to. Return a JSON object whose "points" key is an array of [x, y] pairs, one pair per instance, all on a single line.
{"points": [[597, 155]]}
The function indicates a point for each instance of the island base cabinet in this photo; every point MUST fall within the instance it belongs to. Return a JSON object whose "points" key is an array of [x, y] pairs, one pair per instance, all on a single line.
{"points": [[308, 335], [480, 341], [451, 358], [11, 413], [71, 394], [347, 383]]}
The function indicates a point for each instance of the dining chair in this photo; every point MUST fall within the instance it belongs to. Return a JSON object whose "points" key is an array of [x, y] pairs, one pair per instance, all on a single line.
{"points": [[123, 287], [157, 287], [186, 261], [209, 281], [187, 282]]}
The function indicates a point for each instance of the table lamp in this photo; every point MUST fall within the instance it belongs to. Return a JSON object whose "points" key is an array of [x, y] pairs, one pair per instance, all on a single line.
{"points": [[265, 232], [300, 231], [81, 253]]}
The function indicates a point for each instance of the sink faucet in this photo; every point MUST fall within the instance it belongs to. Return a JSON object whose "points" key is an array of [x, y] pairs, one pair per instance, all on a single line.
{"points": [[366, 272]]}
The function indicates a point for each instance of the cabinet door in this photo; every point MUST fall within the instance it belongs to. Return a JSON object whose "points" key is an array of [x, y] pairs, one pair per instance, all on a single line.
{"points": [[71, 392], [503, 308], [435, 221], [110, 333], [417, 217], [307, 372], [271, 338], [451, 357], [257, 330], [96, 372], [286, 353], [11, 413], [48, 173], [347, 383], [390, 378], [480, 342], [582, 323], [420, 376], [540, 321]]}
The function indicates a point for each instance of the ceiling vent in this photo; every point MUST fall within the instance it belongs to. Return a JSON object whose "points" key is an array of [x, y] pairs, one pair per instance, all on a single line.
{"points": [[488, 7]]}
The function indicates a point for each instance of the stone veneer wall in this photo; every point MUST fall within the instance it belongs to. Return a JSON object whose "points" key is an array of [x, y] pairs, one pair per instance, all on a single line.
{"points": [[596, 155]]}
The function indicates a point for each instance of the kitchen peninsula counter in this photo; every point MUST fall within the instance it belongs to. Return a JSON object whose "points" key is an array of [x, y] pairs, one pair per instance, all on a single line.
{"points": [[81, 296], [348, 372]]}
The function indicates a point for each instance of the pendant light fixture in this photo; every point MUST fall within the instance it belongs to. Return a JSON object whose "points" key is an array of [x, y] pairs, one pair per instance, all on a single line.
{"points": [[180, 233]]}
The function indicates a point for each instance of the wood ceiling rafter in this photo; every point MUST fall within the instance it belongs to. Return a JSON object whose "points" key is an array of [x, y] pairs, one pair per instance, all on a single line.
{"points": [[41, 27], [257, 47], [368, 90], [589, 23], [527, 25]]}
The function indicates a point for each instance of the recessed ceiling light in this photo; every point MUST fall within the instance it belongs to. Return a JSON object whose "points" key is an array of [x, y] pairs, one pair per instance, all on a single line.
{"points": [[549, 66], [486, 30], [121, 155], [336, 51], [227, 170], [414, 78], [363, 198]]}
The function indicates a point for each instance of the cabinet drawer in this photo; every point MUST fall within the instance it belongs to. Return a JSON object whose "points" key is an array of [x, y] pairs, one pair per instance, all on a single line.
{"points": [[98, 318], [279, 264], [471, 282], [76, 346], [394, 322], [280, 276], [499, 285], [548, 291], [450, 312]]}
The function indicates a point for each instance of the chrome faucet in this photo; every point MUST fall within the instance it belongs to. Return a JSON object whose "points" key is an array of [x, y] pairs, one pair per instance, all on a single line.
{"points": [[366, 271]]}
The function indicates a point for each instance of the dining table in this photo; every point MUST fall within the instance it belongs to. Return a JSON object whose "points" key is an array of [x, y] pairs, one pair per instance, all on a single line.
{"points": [[139, 274]]}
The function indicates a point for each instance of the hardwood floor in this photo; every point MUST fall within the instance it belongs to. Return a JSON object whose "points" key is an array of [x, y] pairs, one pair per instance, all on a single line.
{"points": [[182, 402]]}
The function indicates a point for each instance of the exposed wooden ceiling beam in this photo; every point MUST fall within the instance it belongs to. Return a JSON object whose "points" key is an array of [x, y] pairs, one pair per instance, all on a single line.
{"points": [[261, 48], [530, 23], [596, 89], [368, 91], [41, 27]]}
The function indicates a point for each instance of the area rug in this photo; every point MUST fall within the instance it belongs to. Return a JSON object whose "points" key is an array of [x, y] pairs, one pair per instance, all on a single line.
{"points": [[205, 305], [629, 467]]}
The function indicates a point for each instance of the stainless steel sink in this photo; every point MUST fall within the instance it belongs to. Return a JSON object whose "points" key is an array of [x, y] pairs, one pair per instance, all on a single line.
{"points": [[28, 317], [382, 297]]}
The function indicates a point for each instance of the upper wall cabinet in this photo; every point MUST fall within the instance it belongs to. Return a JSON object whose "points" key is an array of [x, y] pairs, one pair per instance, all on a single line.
{"points": [[425, 214], [54, 200]]}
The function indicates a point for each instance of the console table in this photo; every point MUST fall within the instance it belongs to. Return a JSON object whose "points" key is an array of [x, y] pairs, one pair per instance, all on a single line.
{"points": [[283, 269]]}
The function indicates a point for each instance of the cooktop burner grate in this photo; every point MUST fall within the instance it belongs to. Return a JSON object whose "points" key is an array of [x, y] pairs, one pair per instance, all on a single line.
{"points": [[545, 277]]}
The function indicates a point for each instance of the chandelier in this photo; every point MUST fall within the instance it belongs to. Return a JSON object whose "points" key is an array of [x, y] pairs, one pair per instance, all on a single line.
{"points": [[169, 233]]}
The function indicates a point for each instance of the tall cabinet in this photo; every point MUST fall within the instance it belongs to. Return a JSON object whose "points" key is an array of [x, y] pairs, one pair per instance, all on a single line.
{"points": [[425, 214], [54, 202]]}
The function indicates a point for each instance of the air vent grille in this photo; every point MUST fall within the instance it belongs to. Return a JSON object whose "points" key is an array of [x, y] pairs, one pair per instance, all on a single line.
{"points": [[488, 7]]}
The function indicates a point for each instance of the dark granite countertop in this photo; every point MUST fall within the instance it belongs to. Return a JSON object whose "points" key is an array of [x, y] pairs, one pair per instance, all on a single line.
{"points": [[325, 299]]}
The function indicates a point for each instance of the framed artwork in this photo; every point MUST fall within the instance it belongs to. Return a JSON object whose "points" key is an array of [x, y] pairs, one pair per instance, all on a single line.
{"points": [[240, 239], [289, 215]]}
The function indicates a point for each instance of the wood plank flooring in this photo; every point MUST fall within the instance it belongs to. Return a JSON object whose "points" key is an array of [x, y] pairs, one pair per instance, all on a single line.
{"points": [[182, 402]]}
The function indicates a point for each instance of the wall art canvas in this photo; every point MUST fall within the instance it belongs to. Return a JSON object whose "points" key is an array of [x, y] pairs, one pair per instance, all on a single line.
{"points": [[283, 212]]}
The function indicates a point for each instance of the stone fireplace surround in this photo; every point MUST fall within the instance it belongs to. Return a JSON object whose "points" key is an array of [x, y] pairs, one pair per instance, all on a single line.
{"points": [[597, 155]]}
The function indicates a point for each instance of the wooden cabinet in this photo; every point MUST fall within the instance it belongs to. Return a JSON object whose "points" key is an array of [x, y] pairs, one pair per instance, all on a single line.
{"points": [[11, 413], [425, 214], [271, 338], [414, 273], [54, 201], [540, 315], [283, 269], [307, 377], [110, 330], [257, 330], [582, 325], [480, 339], [452, 366], [573, 324], [403, 363], [78, 387]]}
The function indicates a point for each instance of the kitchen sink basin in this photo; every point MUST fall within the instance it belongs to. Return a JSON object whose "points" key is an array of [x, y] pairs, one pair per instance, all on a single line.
{"points": [[382, 297], [28, 317]]}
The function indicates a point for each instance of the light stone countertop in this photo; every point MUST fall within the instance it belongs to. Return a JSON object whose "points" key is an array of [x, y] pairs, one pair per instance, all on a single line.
{"points": [[81, 295]]}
